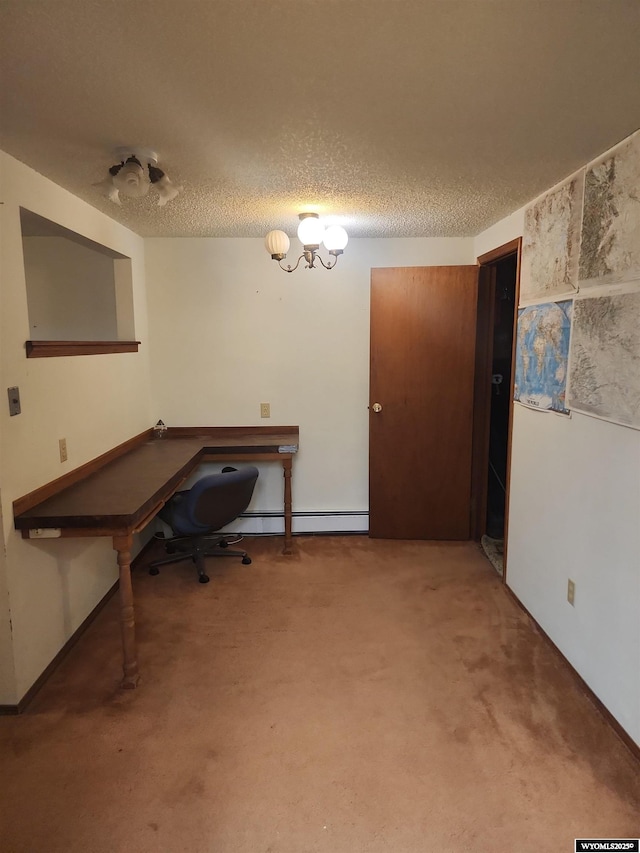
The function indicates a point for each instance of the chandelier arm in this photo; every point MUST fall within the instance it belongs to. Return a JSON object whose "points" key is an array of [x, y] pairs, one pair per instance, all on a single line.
{"points": [[328, 266], [289, 268]]}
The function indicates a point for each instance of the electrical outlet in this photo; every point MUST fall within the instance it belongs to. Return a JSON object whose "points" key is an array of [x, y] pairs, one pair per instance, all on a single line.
{"points": [[571, 592], [45, 533], [265, 410], [63, 449]]}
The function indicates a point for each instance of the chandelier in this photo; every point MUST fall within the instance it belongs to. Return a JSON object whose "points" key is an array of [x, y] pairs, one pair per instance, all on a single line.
{"points": [[311, 232], [136, 172]]}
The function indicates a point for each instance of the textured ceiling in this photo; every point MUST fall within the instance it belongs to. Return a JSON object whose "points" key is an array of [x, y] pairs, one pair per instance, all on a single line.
{"points": [[394, 117]]}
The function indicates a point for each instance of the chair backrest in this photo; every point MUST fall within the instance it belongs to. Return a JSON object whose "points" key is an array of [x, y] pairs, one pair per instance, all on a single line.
{"points": [[218, 499]]}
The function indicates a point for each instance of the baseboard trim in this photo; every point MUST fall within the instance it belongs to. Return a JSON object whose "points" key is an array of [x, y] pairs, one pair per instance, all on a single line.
{"points": [[624, 736], [12, 710]]}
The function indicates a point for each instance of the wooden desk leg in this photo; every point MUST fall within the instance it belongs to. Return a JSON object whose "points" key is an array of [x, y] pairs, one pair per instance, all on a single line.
{"points": [[288, 540], [123, 544]]}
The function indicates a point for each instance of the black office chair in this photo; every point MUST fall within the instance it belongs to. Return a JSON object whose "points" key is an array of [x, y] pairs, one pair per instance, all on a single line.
{"points": [[196, 514]]}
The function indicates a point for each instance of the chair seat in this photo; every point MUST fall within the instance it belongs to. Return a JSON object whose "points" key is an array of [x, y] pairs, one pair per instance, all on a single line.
{"points": [[197, 514], [176, 514]]}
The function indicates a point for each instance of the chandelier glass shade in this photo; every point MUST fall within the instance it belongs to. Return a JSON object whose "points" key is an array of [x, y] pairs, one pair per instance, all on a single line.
{"points": [[277, 244], [335, 238], [311, 233]]}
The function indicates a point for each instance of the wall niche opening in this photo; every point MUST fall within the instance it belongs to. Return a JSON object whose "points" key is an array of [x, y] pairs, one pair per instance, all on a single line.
{"points": [[79, 292]]}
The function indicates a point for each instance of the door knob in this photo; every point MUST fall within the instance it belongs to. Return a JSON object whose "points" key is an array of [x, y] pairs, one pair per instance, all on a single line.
{"points": [[376, 408]]}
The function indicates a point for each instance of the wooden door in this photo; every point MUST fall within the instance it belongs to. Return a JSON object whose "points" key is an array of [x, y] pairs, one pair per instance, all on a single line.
{"points": [[423, 330]]}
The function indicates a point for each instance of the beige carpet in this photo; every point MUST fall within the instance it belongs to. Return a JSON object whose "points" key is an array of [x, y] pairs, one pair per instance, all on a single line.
{"points": [[359, 697]]}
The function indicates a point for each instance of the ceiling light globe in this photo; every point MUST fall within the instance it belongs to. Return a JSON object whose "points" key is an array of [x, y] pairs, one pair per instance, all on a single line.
{"points": [[335, 238], [109, 190], [166, 190], [132, 180], [310, 230], [277, 243]]}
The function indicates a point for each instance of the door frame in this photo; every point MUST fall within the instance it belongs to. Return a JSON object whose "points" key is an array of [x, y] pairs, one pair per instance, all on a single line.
{"points": [[482, 389]]}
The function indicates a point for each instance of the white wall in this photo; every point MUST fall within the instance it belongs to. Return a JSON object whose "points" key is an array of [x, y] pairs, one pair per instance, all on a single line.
{"points": [[95, 402], [574, 512], [500, 233], [70, 291], [230, 330], [7, 670]]}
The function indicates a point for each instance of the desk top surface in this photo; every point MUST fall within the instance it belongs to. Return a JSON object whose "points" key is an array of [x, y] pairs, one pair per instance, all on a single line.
{"points": [[124, 491]]}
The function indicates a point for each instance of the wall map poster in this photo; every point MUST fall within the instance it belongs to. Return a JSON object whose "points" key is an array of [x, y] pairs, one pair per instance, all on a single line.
{"points": [[605, 358], [610, 245], [551, 241], [542, 350]]}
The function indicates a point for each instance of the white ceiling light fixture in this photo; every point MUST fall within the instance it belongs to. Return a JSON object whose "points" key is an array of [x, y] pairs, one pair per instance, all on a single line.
{"points": [[311, 233], [134, 174]]}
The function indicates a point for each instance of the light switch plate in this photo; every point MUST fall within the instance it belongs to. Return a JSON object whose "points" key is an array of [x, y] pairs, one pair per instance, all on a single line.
{"points": [[14, 400]]}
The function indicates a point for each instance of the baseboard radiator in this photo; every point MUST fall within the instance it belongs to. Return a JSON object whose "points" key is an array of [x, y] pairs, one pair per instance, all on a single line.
{"points": [[272, 523]]}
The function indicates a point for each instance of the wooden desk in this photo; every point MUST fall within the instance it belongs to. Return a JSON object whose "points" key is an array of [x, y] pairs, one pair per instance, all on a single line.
{"points": [[119, 493]]}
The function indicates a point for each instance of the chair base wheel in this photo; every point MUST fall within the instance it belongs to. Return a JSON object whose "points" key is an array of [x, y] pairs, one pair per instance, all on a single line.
{"points": [[203, 578], [154, 571], [246, 561]]}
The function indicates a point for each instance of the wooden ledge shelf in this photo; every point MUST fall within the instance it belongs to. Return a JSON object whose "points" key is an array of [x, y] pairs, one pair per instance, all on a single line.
{"points": [[52, 349]]}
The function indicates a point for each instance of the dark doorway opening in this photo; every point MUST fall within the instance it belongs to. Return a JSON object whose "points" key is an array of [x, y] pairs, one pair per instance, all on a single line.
{"points": [[504, 309], [498, 288]]}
